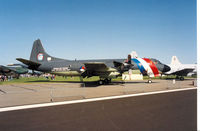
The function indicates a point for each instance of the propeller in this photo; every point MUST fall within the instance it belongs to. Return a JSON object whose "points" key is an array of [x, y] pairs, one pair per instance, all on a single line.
{"points": [[125, 66]]}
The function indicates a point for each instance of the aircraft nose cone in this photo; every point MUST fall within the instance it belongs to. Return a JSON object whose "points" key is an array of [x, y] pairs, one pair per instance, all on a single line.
{"points": [[166, 68]]}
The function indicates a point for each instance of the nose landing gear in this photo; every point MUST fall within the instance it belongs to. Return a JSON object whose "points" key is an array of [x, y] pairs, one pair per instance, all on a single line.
{"points": [[149, 81], [180, 78]]}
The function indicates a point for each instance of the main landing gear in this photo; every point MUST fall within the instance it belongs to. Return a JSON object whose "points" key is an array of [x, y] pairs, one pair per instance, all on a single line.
{"points": [[104, 81], [149, 81], [180, 78]]}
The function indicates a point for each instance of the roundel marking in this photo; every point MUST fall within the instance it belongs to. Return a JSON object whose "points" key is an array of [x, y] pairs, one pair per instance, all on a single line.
{"points": [[40, 56], [82, 68]]}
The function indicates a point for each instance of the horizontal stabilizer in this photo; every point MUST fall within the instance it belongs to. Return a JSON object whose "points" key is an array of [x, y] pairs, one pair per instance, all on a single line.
{"points": [[31, 64]]}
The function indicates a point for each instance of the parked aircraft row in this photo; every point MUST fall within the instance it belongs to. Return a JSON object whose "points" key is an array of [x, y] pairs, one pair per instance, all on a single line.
{"points": [[106, 69]]}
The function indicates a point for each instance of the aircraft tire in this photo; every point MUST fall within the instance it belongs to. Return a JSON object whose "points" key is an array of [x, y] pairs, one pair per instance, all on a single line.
{"points": [[149, 81], [181, 78], [177, 77], [106, 81], [101, 82]]}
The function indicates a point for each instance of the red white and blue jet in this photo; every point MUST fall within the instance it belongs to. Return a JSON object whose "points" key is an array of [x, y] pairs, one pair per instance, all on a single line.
{"points": [[148, 66]]}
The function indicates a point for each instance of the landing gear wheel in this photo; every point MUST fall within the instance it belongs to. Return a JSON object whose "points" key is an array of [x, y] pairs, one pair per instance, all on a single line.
{"points": [[181, 78], [109, 80], [177, 77], [106, 81], [149, 81], [101, 82]]}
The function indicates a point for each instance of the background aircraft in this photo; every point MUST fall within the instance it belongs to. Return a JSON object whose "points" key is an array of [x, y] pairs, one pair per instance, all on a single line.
{"points": [[13, 70], [181, 70], [106, 69]]}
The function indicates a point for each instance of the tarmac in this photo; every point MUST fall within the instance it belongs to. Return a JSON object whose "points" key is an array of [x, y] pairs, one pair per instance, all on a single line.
{"points": [[36, 93], [169, 111]]}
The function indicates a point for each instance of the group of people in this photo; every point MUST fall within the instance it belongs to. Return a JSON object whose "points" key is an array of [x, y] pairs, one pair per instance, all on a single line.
{"points": [[5, 78], [47, 76]]}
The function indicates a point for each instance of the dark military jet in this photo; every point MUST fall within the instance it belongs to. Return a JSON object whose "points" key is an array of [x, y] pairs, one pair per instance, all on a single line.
{"points": [[106, 69], [14, 71]]}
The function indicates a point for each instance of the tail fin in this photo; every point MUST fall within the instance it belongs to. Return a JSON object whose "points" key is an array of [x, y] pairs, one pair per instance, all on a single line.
{"points": [[38, 53], [175, 61], [134, 54]]}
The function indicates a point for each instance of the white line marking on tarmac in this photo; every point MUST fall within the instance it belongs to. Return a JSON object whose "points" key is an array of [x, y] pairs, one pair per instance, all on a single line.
{"points": [[87, 100]]}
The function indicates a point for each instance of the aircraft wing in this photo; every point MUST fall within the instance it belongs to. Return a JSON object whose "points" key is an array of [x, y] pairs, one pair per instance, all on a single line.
{"points": [[99, 69], [96, 66], [182, 72]]}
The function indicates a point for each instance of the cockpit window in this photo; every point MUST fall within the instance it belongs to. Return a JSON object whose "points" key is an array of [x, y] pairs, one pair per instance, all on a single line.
{"points": [[155, 61]]}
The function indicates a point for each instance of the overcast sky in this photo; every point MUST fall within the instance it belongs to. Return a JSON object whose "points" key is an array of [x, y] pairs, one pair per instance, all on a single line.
{"points": [[95, 29]]}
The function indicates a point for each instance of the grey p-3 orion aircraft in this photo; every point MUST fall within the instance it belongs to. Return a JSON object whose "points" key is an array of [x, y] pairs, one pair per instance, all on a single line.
{"points": [[106, 69]]}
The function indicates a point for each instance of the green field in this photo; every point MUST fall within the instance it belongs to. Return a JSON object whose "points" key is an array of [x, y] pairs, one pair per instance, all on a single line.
{"points": [[44, 80], [69, 79]]}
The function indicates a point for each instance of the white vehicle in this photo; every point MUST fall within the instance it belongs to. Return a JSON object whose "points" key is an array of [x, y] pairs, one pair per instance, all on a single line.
{"points": [[181, 70]]}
